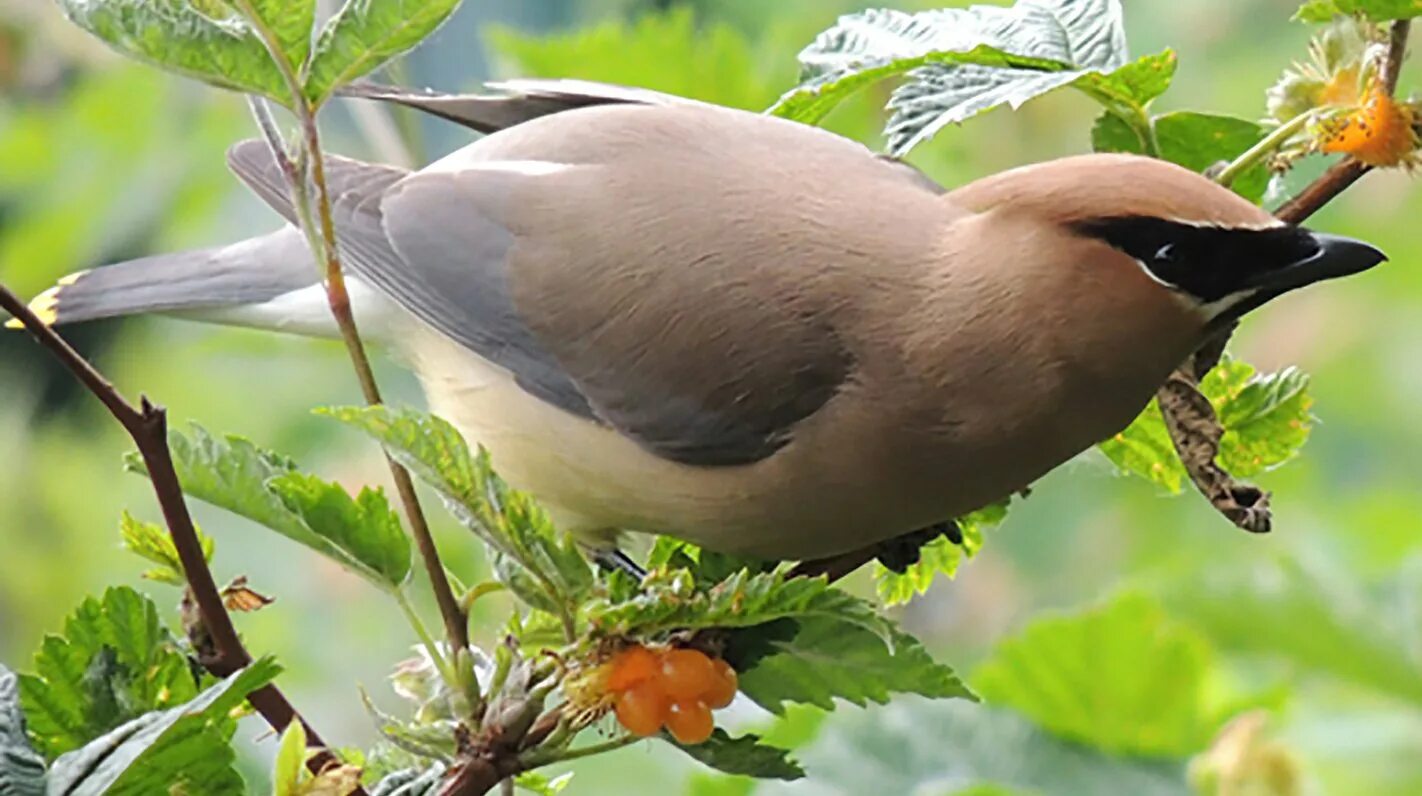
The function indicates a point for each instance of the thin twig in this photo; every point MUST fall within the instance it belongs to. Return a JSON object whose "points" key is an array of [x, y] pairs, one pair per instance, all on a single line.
{"points": [[147, 425], [322, 237], [1194, 430]]}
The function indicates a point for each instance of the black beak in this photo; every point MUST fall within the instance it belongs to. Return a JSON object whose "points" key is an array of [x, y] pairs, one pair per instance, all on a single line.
{"points": [[1333, 256]]}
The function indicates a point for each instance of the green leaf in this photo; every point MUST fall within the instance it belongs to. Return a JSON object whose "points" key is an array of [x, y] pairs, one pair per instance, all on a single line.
{"points": [[671, 601], [706, 566], [185, 749], [290, 766], [939, 557], [510, 522], [154, 543], [219, 49], [916, 746], [1121, 678], [744, 756], [365, 34], [811, 101], [364, 527], [1133, 85], [233, 474], [1266, 417], [114, 662], [21, 767], [290, 23], [1196, 141], [1144, 449], [1308, 613], [1375, 10], [961, 62], [534, 782], [827, 659]]}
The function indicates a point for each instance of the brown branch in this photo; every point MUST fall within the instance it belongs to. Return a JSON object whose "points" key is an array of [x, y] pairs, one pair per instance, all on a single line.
{"points": [[147, 424], [1194, 429]]}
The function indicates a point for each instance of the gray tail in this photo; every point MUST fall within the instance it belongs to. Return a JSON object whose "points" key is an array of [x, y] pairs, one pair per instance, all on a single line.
{"points": [[192, 283]]}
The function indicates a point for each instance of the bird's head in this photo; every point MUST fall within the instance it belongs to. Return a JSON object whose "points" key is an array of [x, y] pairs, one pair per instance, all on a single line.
{"points": [[1213, 250]]}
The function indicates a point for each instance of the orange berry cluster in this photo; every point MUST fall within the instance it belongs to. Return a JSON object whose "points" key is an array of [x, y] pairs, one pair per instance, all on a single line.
{"points": [[674, 688]]}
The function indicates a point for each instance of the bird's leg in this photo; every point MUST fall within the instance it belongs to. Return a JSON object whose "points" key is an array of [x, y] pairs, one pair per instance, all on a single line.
{"points": [[612, 559], [896, 554]]}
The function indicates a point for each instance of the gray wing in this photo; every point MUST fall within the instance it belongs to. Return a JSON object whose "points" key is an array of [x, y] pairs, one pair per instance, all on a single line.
{"points": [[691, 378], [519, 101]]}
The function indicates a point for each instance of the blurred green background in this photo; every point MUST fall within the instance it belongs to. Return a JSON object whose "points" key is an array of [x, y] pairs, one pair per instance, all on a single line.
{"points": [[101, 159]]}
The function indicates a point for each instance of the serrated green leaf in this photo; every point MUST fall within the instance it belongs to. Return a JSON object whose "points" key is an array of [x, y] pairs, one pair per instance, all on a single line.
{"points": [[939, 557], [961, 62], [1196, 141], [813, 100], [1121, 678], [916, 746], [234, 474], [1375, 10], [365, 527], [114, 662], [1266, 417], [1133, 85], [154, 543], [744, 755], [22, 770], [185, 748], [827, 660], [365, 34], [674, 601], [510, 522], [219, 49]]}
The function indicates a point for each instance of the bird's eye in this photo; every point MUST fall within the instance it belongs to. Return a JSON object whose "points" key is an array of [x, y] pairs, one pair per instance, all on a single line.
{"points": [[1166, 254]]}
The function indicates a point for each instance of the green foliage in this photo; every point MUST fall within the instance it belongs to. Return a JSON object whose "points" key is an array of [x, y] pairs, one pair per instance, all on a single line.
{"points": [[1121, 678], [114, 662], [154, 543], [917, 746], [21, 767], [961, 62], [536, 783], [1194, 140], [290, 766], [364, 526], [938, 557], [667, 52], [745, 756], [1376, 10], [218, 48], [287, 22], [825, 660], [185, 749], [361, 534], [542, 566], [1266, 420], [1306, 613], [673, 601], [365, 34]]}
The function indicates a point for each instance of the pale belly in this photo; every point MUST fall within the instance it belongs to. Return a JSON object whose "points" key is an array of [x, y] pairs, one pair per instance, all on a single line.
{"points": [[593, 481]]}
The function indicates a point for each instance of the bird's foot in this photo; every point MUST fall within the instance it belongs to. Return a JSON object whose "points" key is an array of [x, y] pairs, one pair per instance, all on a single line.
{"points": [[612, 559], [902, 552]]}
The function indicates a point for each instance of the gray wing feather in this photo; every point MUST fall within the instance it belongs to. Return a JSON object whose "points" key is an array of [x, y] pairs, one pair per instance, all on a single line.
{"points": [[521, 100]]}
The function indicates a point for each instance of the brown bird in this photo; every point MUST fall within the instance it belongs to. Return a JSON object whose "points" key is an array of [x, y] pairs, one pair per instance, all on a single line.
{"points": [[665, 316]]}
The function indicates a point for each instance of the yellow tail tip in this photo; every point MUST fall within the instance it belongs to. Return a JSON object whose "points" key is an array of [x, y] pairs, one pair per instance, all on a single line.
{"points": [[45, 306]]}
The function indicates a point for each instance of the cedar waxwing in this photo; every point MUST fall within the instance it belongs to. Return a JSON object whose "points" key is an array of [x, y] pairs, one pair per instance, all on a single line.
{"points": [[665, 316]]}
